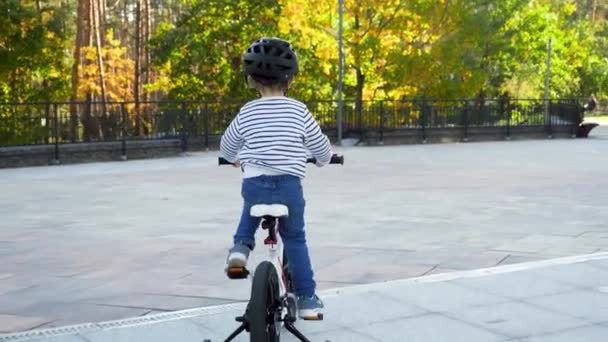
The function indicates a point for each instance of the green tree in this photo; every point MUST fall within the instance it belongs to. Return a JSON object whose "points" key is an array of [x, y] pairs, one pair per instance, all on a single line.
{"points": [[202, 51], [33, 41]]}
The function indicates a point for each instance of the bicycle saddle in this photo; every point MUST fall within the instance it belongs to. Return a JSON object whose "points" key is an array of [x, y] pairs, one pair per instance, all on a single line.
{"points": [[273, 210]]}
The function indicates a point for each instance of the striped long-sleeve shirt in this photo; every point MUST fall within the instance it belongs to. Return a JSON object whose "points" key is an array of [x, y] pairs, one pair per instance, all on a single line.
{"points": [[275, 133]]}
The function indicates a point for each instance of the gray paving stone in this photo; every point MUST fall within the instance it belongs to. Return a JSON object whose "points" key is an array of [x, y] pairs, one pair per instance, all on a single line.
{"points": [[371, 307], [589, 305], [599, 263], [539, 243], [80, 312], [477, 260], [434, 327], [516, 319], [179, 330], [519, 258], [585, 275], [157, 302], [516, 285], [441, 296], [10, 323], [595, 333], [385, 269], [335, 336]]}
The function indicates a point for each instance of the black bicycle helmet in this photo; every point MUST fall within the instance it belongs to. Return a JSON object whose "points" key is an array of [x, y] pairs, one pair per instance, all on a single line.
{"points": [[270, 61]]}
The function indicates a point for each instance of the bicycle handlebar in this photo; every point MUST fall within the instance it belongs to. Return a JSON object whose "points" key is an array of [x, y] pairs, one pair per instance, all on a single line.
{"points": [[335, 159], [222, 161]]}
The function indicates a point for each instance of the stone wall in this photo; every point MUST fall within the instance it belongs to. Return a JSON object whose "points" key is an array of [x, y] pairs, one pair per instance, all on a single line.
{"points": [[21, 156], [458, 134], [87, 152]]}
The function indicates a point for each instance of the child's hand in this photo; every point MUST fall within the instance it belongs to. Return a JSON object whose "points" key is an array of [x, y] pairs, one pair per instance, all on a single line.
{"points": [[237, 163]]}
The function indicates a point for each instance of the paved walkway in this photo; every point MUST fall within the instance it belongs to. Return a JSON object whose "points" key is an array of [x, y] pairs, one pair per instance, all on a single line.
{"points": [[105, 241], [559, 300]]}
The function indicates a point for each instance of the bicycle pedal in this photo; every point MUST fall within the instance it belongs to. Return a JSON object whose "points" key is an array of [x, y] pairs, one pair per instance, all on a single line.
{"points": [[237, 272], [318, 317]]}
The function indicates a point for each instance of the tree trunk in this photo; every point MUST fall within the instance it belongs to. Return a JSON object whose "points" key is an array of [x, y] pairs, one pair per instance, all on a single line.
{"points": [[39, 10], [593, 11], [88, 120], [124, 25], [137, 80], [147, 35], [359, 96], [360, 78], [45, 82], [101, 21], [98, 44], [82, 35], [148, 72]]}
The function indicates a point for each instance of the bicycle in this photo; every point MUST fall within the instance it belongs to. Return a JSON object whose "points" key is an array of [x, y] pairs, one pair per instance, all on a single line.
{"points": [[273, 303]]}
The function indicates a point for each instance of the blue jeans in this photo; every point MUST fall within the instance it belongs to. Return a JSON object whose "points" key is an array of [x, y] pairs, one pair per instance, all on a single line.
{"points": [[287, 190]]}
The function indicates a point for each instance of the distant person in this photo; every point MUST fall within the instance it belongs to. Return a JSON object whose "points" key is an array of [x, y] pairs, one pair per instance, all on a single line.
{"points": [[591, 104]]}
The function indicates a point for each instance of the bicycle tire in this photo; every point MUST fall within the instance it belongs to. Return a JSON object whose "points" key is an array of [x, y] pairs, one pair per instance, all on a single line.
{"points": [[263, 311]]}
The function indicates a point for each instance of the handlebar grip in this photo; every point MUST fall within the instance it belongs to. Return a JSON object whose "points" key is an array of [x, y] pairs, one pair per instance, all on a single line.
{"points": [[222, 161], [335, 159]]}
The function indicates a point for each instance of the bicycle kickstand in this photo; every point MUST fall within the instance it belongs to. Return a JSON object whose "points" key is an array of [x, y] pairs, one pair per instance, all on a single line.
{"points": [[294, 331], [238, 330]]}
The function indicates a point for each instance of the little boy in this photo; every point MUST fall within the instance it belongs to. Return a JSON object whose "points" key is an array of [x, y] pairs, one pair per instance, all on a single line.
{"points": [[269, 139]]}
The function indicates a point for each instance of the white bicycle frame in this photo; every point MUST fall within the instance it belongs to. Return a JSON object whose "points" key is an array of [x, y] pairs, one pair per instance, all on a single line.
{"points": [[275, 250], [275, 256]]}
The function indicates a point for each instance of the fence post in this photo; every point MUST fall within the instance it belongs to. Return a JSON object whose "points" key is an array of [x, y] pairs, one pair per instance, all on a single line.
{"points": [[359, 105], [137, 118], [550, 116], [577, 118], [381, 142], [47, 122], [184, 138], [423, 120], [504, 113], [56, 114], [123, 114], [465, 122], [206, 126]]}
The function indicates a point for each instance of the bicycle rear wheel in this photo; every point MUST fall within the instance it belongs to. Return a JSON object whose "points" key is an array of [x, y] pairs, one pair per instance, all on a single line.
{"points": [[263, 311]]}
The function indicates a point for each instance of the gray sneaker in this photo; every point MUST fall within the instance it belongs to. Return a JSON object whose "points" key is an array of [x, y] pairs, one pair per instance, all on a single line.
{"points": [[310, 308], [237, 256]]}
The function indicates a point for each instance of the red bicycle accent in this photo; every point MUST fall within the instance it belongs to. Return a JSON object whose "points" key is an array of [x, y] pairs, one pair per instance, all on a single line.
{"points": [[270, 241]]}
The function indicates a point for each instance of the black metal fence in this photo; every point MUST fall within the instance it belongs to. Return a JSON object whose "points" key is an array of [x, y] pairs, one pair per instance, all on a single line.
{"points": [[57, 123]]}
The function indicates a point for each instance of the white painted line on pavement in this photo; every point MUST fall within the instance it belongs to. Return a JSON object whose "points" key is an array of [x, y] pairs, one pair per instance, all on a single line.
{"points": [[354, 289]]}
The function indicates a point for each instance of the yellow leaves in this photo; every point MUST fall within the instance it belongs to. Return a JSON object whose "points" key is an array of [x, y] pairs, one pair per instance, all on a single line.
{"points": [[379, 35], [119, 71], [163, 81], [569, 7]]}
